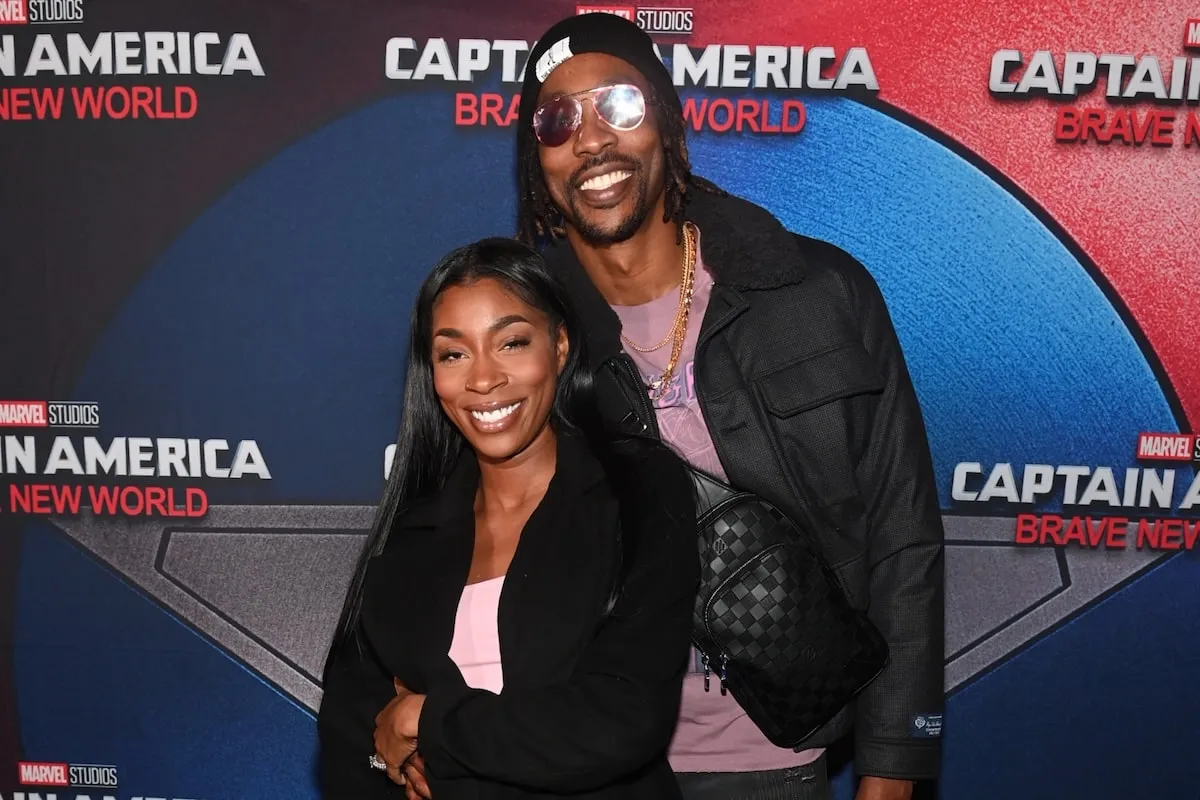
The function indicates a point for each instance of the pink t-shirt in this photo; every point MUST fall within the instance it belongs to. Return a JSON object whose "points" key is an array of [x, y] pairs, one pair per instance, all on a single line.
{"points": [[714, 734], [476, 644]]}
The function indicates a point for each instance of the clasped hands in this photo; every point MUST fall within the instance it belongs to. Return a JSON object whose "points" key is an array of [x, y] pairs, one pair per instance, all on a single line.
{"points": [[396, 741], [396, 744]]}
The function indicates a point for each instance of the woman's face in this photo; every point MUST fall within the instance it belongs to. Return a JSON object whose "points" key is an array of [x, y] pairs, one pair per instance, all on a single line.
{"points": [[495, 367]]}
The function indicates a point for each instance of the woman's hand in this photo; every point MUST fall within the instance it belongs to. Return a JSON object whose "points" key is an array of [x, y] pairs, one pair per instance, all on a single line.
{"points": [[396, 731]]}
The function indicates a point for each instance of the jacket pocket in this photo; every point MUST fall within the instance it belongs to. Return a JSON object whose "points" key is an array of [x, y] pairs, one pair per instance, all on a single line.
{"points": [[818, 379], [819, 410]]}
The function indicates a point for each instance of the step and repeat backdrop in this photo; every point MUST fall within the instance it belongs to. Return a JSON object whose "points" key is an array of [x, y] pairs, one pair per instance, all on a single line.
{"points": [[215, 216]]}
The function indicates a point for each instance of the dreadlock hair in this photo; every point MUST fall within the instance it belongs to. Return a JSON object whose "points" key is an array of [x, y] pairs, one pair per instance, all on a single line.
{"points": [[538, 218]]}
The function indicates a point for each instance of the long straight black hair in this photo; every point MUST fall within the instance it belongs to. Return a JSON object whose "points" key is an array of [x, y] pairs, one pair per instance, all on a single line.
{"points": [[429, 445]]}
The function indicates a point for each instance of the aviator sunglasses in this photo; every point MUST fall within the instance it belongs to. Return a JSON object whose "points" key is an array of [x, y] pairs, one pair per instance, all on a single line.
{"points": [[621, 107]]}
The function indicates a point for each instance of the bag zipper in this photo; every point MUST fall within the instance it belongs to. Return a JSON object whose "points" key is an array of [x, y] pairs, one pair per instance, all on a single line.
{"points": [[722, 669]]}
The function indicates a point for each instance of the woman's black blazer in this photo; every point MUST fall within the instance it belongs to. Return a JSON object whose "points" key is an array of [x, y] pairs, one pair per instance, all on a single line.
{"points": [[590, 698]]}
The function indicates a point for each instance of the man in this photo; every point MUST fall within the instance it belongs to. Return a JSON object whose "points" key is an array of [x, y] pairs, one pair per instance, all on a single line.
{"points": [[762, 357]]}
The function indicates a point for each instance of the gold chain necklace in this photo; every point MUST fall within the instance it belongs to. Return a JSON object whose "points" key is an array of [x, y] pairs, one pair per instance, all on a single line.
{"points": [[689, 257], [661, 344], [678, 331]]}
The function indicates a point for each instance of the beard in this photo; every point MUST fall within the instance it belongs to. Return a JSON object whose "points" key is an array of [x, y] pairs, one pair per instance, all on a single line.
{"points": [[600, 235]]}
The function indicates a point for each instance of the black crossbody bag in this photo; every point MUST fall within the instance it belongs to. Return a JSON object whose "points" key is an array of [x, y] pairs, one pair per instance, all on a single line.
{"points": [[771, 620]]}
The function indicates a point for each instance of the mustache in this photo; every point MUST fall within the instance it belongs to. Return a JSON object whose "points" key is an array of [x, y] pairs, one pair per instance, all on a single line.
{"points": [[604, 159]]}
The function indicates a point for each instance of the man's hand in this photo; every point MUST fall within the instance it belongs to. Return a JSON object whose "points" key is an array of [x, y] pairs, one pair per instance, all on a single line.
{"points": [[416, 787], [872, 788]]}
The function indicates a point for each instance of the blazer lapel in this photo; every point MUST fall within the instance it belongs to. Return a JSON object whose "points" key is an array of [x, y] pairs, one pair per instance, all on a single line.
{"points": [[559, 576]]}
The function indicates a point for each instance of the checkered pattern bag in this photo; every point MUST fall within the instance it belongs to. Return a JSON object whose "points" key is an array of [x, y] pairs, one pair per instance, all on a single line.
{"points": [[771, 619]]}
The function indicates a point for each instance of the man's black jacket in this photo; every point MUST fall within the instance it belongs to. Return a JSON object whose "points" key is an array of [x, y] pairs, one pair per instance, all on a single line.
{"points": [[807, 398]]}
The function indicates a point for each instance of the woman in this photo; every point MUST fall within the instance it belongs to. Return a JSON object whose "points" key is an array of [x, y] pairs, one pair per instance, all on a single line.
{"points": [[519, 623]]}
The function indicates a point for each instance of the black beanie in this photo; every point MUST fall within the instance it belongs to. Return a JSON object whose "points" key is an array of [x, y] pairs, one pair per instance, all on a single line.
{"points": [[594, 33]]}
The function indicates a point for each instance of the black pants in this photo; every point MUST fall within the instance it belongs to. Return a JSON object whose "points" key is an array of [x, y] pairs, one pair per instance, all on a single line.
{"points": [[809, 782]]}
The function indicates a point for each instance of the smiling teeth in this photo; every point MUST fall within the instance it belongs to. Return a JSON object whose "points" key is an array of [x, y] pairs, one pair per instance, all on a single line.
{"points": [[496, 415], [605, 181]]}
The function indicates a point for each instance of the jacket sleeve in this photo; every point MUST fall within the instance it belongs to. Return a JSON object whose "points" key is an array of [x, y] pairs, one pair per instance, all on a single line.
{"points": [[616, 713], [904, 548]]}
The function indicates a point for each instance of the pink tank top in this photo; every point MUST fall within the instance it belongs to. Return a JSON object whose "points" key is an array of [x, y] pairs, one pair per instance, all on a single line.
{"points": [[476, 644]]}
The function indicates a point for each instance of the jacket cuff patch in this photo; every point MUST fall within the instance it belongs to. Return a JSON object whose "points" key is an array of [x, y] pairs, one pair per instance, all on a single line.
{"points": [[926, 726]]}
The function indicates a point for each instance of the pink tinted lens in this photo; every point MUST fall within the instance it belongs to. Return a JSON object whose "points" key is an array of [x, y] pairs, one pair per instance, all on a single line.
{"points": [[556, 119], [622, 106]]}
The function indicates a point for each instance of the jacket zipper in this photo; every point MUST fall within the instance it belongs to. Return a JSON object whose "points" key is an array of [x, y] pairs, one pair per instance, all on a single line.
{"points": [[714, 433]]}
